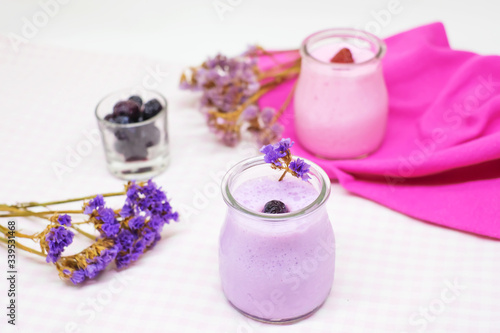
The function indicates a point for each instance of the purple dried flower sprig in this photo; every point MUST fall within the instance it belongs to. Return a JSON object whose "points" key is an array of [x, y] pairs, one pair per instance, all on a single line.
{"points": [[280, 158], [55, 240], [231, 89], [88, 263], [124, 234]]}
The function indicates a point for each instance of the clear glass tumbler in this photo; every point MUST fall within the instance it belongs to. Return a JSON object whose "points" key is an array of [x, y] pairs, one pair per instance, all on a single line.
{"points": [[137, 150], [276, 268]]}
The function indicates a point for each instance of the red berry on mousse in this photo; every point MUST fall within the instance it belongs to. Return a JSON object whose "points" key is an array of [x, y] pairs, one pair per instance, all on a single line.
{"points": [[344, 56]]}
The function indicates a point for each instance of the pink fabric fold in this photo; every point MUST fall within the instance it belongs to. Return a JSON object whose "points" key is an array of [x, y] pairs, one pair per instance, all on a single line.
{"points": [[440, 159]]}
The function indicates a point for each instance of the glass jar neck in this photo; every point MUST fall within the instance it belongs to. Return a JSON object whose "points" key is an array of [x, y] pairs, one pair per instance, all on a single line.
{"points": [[357, 39], [256, 166]]}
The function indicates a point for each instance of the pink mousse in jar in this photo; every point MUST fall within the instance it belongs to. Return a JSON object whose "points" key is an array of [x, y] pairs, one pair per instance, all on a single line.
{"points": [[341, 107], [276, 268]]}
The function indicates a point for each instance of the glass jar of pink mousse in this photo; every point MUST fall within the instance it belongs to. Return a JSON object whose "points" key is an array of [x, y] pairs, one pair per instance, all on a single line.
{"points": [[276, 268], [341, 107]]}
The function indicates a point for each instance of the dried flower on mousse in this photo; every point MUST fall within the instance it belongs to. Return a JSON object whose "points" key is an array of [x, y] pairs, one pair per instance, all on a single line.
{"points": [[280, 158]]}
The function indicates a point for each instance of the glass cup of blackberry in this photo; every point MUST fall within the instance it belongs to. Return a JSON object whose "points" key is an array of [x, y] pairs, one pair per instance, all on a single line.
{"points": [[133, 127]]}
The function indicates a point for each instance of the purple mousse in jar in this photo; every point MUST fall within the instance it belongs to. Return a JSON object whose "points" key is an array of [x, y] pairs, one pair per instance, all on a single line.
{"points": [[276, 268]]}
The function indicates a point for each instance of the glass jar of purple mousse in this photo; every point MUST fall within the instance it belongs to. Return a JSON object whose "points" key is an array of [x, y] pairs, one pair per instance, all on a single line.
{"points": [[133, 126], [276, 268]]}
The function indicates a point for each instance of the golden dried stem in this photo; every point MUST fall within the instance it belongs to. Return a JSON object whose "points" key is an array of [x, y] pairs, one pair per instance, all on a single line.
{"points": [[86, 234], [255, 97], [42, 214], [272, 54], [292, 66], [283, 175], [285, 104], [22, 247], [88, 197]]}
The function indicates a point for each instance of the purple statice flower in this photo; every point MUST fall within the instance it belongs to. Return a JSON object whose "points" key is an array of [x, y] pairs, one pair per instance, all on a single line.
{"points": [[105, 257], [230, 138], [270, 134], [106, 215], [78, 276], [250, 113], [171, 216], [110, 229], [127, 210], [96, 203], [99, 263], [108, 255], [149, 201], [138, 249], [284, 145], [95, 265], [149, 236], [189, 85], [225, 82], [301, 168], [126, 239], [152, 192], [148, 210], [136, 223], [110, 225], [251, 50], [279, 155], [272, 153], [58, 238], [157, 238], [277, 130], [267, 115], [64, 220], [123, 260], [93, 269], [253, 87], [226, 131], [133, 191], [156, 222]]}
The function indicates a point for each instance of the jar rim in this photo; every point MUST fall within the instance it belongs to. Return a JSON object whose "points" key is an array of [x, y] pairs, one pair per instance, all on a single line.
{"points": [[101, 120], [348, 33], [323, 195]]}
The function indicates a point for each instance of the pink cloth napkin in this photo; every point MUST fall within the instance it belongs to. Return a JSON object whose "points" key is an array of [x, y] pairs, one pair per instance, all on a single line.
{"points": [[440, 159]]}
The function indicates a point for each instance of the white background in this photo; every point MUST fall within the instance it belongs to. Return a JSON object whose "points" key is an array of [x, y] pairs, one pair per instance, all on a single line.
{"points": [[389, 266], [188, 31]]}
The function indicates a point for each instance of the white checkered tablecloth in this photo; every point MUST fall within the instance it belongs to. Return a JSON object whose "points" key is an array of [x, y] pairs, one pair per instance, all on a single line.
{"points": [[393, 273]]}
